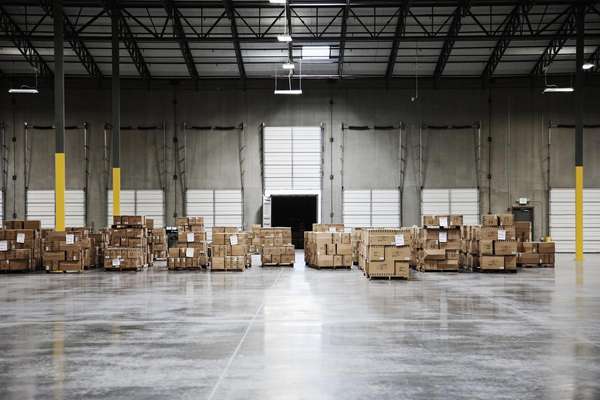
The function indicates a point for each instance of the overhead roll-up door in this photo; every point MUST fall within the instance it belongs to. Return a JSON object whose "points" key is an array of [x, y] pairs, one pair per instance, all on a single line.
{"points": [[218, 207], [376, 208], [41, 206], [292, 158], [451, 201], [562, 220], [149, 203]]}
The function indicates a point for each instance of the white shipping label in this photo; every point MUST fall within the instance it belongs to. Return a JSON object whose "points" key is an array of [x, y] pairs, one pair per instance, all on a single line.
{"points": [[332, 229], [70, 238], [501, 234], [3, 245], [399, 240], [189, 252], [116, 262], [190, 237], [444, 222], [233, 240], [443, 236], [255, 260], [20, 238]]}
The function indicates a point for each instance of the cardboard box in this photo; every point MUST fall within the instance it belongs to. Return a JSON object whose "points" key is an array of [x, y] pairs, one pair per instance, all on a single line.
{"points": [[489, 220], [510, 262], [530, 247], [546, 248], [398, 253], [380, 268], [506, 219], [486, 247], [376, 253], [434, 254], [523, 231], [505, 247], [491, 262], [529, 259]]}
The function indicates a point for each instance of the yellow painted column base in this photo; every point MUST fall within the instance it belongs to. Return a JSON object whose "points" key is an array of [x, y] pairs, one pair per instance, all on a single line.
{"points": [[116, 179], [59, 192], [579, 213]]}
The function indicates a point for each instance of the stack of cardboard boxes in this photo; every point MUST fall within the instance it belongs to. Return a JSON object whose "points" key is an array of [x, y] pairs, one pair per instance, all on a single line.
{"points": [[498, 244], [355, 238], [191, 249], [275, 246], [88, 246], [128, 246], [469, 258], [230, 249], [101, 240], [158, 244], [440, 243], [20, 246], [64, 251], [536, 254], [328, 249], [386, 253]]}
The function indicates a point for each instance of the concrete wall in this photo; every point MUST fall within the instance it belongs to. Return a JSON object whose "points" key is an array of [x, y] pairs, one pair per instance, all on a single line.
{"points": [[516, 118]]}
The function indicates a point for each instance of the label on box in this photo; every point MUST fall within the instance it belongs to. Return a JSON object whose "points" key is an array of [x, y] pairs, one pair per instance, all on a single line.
{"points": [[116, 262], [3, 245], [20, 238], [190, 237], [233, 240], [443, 237], [332, 229], [444, 222], [189, 252], [501, 234], [399, 240], [255, 260], [70, 238]]}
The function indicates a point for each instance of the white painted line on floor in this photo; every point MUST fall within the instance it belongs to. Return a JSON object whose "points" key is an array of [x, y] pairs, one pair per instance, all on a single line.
{"points": [[239, 346]]}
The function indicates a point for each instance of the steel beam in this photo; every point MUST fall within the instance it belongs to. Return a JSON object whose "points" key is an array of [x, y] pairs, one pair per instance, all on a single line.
{"points": [[556, 44], [460, 11], [400, 29], [343, 39], [24, 44], [513, 25], [579, 108], [79, 48], [59, 117], [125, 35], [179, 34], [288, 17], [116, 112], [235, 37]]}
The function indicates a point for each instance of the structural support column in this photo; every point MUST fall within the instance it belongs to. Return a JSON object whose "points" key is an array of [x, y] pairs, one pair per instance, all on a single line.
{"points": [[116, 114], [579, 104], [59, 117]]}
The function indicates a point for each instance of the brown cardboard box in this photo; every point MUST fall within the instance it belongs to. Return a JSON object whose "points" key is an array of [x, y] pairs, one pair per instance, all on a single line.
{"points": [[529, 259], [486, 247], [523, 231], [510, 262], [403, 253], [530, 247], [239, 250], [505, 247], [506, 219], [546, 248], [434, 254], [489, 220], [217, 263], [491, 262], [376, 253], [402, 269], [547, 259], [344, 249], [380, 268]]}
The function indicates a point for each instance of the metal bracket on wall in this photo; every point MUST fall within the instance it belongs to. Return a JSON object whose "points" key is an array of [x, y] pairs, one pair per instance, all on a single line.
{"points": [[28, 158]]}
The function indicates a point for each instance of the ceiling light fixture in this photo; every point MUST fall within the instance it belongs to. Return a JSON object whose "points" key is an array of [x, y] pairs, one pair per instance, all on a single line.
{"points": [[277, 1], [289, 91], [556, 89], [588, 65], [290, 73], [284, 38], [23, 90], [288, 66]]}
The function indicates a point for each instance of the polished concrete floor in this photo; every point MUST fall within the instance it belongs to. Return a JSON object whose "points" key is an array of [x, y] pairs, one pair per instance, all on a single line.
{"points": [[302, 334]]}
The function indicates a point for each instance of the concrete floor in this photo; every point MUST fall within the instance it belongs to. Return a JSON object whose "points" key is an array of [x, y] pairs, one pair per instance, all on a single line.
{"points": [[302, 334]]}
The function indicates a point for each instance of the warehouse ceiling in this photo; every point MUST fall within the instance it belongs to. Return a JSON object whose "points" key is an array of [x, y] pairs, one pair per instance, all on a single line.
{"points": [[331, 39]]}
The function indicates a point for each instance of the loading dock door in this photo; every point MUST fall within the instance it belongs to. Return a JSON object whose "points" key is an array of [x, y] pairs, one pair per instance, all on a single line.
{"points": [[41, 206], [452, 201], [376, 208], [149, 203], [562, 220], [218, 207]]}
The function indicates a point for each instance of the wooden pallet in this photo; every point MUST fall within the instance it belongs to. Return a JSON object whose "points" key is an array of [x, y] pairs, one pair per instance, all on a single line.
{"points": [[495, 271], [337, 267], [271, 265], [388, 277], [199, 268], [437, 270], [126, 269], [536, 265], [60, 271], [228, 270]]}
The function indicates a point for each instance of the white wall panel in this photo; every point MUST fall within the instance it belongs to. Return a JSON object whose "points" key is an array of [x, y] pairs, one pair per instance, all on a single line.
{"points": [[218, 207], [41, 206], [562, 220], [451, 201], [149, 203], [371, 208]]}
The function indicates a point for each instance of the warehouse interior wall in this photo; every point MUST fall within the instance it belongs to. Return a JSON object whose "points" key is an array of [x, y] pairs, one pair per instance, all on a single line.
{"points": [[516, 117]]}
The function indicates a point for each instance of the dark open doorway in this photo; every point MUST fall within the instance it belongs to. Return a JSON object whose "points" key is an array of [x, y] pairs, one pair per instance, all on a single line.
{"points": [[297, 212]]}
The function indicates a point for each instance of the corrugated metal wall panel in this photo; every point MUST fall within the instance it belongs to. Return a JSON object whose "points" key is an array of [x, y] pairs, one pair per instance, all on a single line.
{"points": [[562, 220], [41, 206], [452, 201], [366, 208], [218, 207]]}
